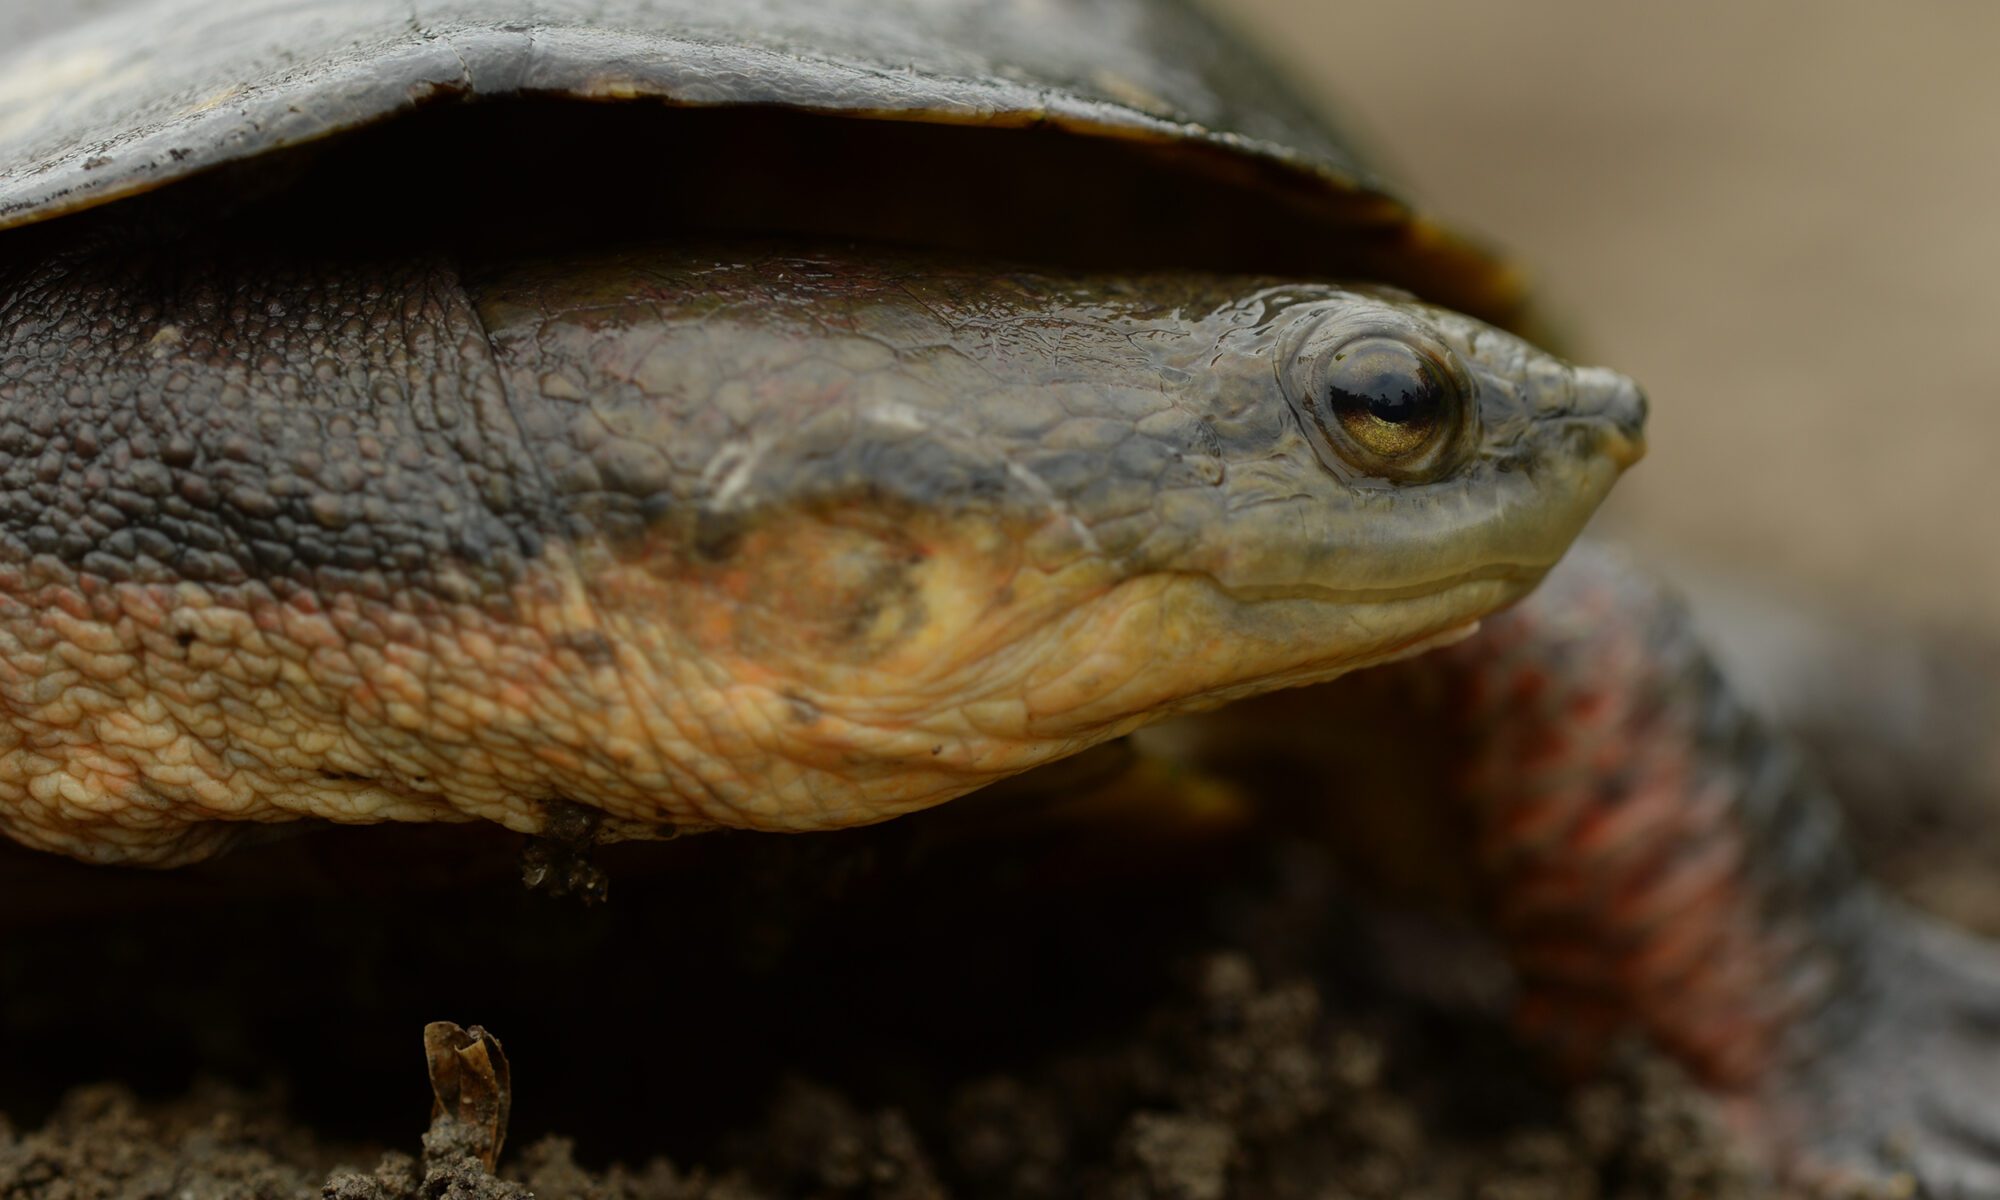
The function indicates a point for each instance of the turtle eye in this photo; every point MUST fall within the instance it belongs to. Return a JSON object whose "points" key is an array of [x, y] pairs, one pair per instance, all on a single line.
{"points": [[1389, 408]]}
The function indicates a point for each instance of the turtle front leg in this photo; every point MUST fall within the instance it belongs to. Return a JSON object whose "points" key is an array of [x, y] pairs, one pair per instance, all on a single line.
{"points": [[1660, 860]]}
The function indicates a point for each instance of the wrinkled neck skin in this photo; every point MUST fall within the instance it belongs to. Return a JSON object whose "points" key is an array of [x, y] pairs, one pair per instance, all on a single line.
{"points": [[694, 535]]}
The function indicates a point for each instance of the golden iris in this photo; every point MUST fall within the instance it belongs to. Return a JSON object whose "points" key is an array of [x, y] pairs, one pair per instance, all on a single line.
{"points": [[1388, 397]]}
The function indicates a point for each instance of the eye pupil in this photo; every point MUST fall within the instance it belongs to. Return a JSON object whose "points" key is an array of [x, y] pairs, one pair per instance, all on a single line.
{"points": [[1390, 382], [1388, 397], [1397, 405]]}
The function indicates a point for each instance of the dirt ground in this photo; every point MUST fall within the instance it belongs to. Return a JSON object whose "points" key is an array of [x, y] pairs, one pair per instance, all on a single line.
{"points": [[884, 1014]]}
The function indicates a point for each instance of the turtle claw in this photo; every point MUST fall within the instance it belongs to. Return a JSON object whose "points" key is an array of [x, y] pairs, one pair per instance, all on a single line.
{"points": [[1900, 1096]]}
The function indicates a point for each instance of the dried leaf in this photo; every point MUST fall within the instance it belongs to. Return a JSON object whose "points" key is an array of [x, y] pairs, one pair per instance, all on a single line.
{"points": [[470, 1083]]}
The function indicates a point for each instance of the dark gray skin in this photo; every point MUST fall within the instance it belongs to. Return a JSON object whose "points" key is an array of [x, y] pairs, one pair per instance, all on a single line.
{"points": [[708, 535]]}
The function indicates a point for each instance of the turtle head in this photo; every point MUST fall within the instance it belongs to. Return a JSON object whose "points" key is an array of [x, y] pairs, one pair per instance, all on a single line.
{"points": [[938, 525], [1400, 471], [1384, 474]]}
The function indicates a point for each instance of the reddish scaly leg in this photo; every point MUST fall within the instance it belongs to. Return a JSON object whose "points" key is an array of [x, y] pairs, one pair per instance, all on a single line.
{"points": [[1663, 862]]}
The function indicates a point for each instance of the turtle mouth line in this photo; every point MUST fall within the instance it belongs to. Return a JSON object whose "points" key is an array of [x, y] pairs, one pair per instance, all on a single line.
{"points": [[1507, 572], [1301, 650]]}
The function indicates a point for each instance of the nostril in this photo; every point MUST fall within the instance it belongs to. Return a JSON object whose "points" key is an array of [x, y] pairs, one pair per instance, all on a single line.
{"points": [[1634, 410], [1616, 408], [1608, 396]]}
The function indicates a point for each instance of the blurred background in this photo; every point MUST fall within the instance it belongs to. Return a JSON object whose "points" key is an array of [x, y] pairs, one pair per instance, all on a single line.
{"points": [[1782, 217]]}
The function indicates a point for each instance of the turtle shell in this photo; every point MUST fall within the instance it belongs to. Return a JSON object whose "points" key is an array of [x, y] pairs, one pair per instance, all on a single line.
{"points": [[104, 100]]}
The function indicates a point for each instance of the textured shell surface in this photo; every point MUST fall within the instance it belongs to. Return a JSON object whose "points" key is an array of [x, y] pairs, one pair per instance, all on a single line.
{"points": [[100, 100]]}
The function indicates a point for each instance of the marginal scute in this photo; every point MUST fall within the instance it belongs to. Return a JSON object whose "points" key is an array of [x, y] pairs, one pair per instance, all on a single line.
{"points": [[160, 88]]}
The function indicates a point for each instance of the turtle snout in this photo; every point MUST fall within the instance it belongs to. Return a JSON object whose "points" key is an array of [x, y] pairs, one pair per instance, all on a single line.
{"points": [[1618, 406]]}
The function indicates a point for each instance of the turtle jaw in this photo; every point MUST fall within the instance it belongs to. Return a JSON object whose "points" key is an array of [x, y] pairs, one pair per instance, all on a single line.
{"points": [[976, 665], [1618, 408], [1186, 643], [1402, 567]]}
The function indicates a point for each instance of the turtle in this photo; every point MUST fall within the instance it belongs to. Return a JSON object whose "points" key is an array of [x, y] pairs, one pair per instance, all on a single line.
{"points": [[616, 419]]}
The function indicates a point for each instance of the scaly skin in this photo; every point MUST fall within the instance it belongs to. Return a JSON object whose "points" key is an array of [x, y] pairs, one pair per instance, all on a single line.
{"points": [[694, 536], [1661, 861], [1658, 863]]}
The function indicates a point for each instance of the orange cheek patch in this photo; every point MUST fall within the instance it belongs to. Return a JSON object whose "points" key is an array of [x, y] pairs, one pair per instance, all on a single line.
{"points": [[823, 668]]}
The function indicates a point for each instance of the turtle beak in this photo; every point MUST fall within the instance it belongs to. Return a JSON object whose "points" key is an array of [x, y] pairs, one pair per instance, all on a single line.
{"points": [[1618, 407]]}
